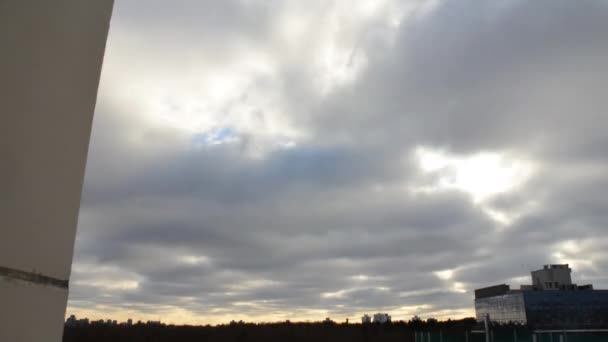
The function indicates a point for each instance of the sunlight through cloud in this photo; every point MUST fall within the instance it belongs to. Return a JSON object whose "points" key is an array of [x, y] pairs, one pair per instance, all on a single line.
{"points": [[481, 175]]}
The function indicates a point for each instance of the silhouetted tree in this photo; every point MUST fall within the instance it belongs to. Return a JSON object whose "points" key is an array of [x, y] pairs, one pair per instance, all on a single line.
{"points": [[239, 331]]}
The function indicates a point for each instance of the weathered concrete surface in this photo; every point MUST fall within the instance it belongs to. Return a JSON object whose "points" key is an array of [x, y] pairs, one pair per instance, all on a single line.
{"points": [[31, 312], [50, 62], [33, 278]]}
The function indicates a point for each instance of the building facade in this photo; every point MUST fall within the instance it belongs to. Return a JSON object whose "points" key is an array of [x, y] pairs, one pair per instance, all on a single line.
{"points": [[552, 277], [553, 301]]}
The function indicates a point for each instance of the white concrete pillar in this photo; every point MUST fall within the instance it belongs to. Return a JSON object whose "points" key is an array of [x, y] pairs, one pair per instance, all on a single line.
{"points": [[50, 61]]}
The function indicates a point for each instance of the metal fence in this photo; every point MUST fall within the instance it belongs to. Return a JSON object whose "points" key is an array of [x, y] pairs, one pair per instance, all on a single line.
{"points": [[513, 335]]}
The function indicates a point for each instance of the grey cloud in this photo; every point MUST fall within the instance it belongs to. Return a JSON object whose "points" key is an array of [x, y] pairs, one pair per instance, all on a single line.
{"points": [[473, 76], [524, 78]]}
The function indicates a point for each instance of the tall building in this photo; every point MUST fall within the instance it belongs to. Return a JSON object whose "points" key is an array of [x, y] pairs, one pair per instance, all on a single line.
{"points": [[382, 318], [552, 301], [50, 66]]}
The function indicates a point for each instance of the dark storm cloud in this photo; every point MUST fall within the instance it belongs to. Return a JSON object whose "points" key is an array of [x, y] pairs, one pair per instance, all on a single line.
{"points": [[330, 222]]}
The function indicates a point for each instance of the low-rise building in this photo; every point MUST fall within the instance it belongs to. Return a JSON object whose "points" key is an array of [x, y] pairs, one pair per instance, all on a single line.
{"points": [[551, 301]]}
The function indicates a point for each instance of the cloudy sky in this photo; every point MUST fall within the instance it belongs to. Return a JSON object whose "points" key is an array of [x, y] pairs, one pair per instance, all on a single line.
{"points": [[271, 160]]}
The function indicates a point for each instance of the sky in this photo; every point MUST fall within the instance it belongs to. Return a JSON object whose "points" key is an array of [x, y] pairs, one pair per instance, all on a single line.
{"points": [[273, 160]]}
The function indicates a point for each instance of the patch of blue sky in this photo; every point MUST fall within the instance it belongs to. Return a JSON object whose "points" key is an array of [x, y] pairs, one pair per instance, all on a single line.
{"points": [[215, 137]]}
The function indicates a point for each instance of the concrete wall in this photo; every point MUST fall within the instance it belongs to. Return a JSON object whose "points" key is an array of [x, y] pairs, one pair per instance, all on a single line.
{"points": [[551, 277], [50, 62]]}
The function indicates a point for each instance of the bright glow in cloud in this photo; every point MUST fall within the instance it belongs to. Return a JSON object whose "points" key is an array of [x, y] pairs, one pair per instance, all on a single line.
{"points": [[445, 274], [459, 287], [361, 277], [194, 259], [570, 252], [481, 175], [110, 285], [336, 294]]}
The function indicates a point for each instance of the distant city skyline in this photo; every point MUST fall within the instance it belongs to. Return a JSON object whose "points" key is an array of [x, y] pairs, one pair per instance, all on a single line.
{"points": [[296, 160]]}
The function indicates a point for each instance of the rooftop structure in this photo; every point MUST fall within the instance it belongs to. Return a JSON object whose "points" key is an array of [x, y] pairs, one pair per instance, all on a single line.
{"points": [[552, 277]]}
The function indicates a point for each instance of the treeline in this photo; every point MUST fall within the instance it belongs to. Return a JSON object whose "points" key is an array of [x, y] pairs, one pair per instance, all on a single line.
{"points": [[287, 331]]}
